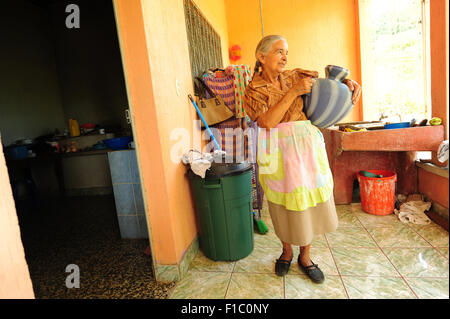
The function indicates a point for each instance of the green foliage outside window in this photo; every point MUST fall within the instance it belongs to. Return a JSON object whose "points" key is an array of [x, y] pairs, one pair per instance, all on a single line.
{"points": [[397, 57]]}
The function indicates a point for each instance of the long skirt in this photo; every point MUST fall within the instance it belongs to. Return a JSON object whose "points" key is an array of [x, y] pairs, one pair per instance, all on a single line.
{"points": [[297, 181], [300, 228]]}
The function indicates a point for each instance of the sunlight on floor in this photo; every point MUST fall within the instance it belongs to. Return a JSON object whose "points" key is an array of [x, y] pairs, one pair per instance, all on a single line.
{"points": [[368, 256]]}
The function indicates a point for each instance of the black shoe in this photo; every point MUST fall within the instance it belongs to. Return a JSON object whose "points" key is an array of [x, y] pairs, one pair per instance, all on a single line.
{"points": [[282, 266], [313, 271]]}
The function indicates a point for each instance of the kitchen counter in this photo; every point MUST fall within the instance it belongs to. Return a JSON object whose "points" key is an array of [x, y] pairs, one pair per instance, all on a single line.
{"points": [[394, 150], [422, 138], [85, 153]]}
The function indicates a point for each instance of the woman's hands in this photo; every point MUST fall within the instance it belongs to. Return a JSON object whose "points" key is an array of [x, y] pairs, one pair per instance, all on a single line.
{"points": [[355, 88], [303, 86], [275, 114]]}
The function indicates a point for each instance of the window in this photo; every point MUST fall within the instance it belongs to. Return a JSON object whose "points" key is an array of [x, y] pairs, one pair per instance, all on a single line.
{"points": [[394, 59], [204, 43]]}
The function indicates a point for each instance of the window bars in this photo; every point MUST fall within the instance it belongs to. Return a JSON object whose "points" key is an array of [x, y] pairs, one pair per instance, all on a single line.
{"points": [[205, 50]]}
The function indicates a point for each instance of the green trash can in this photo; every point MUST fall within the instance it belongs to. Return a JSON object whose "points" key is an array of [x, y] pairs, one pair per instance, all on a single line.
{"points": [[223, 205]]}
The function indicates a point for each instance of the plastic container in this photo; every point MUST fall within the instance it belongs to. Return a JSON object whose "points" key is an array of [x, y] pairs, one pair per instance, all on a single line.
{"points": [[88, 126], [118, 143], [397, 125], [74, 128], [223, 206], [378, 193], [16, 152]]}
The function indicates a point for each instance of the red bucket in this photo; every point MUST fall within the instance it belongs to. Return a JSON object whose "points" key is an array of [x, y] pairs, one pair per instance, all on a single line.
{"points": [[378, 193]]}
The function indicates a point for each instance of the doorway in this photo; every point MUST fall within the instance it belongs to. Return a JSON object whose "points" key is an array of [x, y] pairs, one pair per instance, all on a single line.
{"points": [[78, 201]]}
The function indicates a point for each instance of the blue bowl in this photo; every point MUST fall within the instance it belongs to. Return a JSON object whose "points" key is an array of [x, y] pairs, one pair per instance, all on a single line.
{"points": [[397, 125], [118, 143]]}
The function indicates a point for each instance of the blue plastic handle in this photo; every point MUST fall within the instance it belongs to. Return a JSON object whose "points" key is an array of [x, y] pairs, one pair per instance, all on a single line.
{"points": [[204, 122]]}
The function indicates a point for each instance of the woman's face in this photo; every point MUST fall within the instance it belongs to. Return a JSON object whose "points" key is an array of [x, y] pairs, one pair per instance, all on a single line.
{"points": [[275, 60]]}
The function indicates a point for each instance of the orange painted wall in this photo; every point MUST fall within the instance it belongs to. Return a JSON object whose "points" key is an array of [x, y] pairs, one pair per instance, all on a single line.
{"points": [[169, 61], [15, 281], [318, 33], [439, 59], [434, 186], [141, 97], [155, 52]]}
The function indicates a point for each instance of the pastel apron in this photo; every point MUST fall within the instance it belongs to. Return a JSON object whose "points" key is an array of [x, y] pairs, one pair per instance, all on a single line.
{"points": [[297, 181]]}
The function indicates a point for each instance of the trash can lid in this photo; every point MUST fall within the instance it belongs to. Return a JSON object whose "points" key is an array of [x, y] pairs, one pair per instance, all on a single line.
{"points": [[218, 170]]}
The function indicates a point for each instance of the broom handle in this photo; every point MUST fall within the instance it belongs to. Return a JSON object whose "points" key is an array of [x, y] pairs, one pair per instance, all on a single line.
{"points": [[204, 122]]}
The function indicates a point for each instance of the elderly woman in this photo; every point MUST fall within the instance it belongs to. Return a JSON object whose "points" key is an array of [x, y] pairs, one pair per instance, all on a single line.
{"points": [[294, 169]]}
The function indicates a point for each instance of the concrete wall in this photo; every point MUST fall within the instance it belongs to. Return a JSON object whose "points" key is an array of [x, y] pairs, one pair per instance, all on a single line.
{"points": [[51, 73], [89, 64], [30, 100]]}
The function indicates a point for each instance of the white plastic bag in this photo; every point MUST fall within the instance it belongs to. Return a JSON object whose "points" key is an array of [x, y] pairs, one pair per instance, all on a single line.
{"points": [[200, 162]]}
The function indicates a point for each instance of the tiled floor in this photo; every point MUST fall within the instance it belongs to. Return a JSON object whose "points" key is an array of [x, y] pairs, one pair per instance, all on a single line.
{"points": [[84, 231], [368, 256]]}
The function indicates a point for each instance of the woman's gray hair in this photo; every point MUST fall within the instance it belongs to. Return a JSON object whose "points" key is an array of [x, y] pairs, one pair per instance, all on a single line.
{"points": [[266, 43], [264, 46]]}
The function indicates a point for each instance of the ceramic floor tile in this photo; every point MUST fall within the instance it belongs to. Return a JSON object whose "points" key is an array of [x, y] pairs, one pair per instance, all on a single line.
{"points": [[356, 207], [443, 251], [344, 209], [418, 262], [319, 241], [268, 239], [350, 237], [255, 286], [377, 288], [202, 285], [363, 262], [435, 235], [416, 226], [369, 220], [365, 269], [397, 236], [265, 210], [301, 287], [429, 288], [347, 218], [203, 263], [261, 260]]}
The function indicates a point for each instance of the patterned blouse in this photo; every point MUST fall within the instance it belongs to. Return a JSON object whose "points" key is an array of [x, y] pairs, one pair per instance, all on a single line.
{"points": [[261, 95]]}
